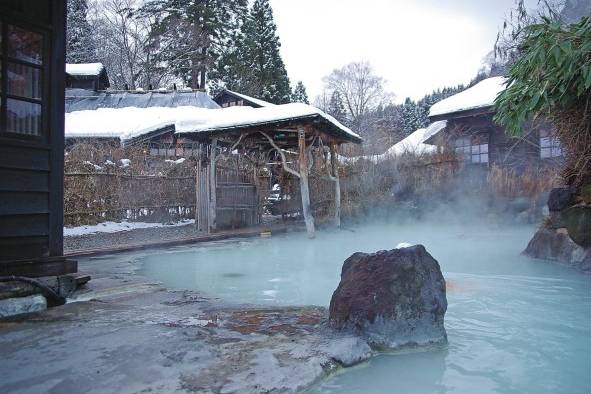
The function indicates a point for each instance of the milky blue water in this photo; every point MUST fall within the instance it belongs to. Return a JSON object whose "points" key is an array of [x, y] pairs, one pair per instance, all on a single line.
{"points": [[515, 325]]}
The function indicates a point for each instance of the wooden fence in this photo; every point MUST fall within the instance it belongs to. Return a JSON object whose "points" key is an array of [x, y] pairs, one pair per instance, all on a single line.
{"points": [[96, 197]]}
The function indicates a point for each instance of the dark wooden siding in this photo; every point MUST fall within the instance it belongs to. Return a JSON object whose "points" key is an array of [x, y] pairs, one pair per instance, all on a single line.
{"points": [[224, 98], [24, 201], [504, 151], [31, 169]]}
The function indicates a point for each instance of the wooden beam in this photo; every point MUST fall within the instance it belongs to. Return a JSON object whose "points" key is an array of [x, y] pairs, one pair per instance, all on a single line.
{"points": [[198, 217], [337, 190], [212, 187], [304, 186]]}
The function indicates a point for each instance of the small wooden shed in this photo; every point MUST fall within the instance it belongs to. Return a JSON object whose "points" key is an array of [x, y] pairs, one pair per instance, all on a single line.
{"points": [[267, 134]]}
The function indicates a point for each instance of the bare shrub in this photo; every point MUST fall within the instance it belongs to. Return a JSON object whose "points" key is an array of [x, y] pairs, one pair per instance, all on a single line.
{"points": [[105, 182]]}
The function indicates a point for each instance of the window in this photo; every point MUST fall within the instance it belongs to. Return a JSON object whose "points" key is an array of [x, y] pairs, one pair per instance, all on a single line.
{"points": [[21, 82], [549, 145], [472, 149]]}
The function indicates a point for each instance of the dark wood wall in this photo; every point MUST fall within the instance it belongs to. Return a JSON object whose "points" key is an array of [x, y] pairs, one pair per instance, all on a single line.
{"points": [[518, 153], [31, 166], [225, 98]]}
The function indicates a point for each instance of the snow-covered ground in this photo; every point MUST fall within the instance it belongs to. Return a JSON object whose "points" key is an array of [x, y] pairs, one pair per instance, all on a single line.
{"points": [[114, 227]]}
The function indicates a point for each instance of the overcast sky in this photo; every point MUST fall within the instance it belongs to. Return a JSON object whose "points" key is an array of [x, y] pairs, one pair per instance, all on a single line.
{"points": [[417, 45]]}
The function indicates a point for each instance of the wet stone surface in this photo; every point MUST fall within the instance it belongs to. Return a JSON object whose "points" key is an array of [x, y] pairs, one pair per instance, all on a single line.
{"points": [[124, 334]]}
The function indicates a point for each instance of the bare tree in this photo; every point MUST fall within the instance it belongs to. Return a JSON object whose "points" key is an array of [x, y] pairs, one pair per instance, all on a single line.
{"points": [[124, 45], [509, 38], [361, 90]]}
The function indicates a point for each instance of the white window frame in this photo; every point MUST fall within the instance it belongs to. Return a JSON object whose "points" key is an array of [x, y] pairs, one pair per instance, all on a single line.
{"points": [[472, 150], [550, 146]]}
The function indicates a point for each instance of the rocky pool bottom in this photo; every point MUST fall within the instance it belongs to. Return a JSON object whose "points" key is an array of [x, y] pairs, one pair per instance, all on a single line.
{"points": [[514, 324]]}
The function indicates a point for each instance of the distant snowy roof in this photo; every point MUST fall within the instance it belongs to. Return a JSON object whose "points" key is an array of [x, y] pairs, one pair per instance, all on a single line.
{"points": [[84, 69], [257, 101], [128, 123], [413, 144], [81, 99], [481, 95]]}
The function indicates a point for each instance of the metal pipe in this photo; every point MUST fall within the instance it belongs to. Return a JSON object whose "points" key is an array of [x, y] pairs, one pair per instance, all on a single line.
{"points": [[53, 298]]}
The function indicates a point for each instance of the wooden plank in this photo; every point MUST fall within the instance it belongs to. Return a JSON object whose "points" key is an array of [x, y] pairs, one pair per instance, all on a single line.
{"points": [[24, 247], [23, 180], [14, 203], [212, 187], [56, 122], [39, 268], [24, 226], [24, 158]]}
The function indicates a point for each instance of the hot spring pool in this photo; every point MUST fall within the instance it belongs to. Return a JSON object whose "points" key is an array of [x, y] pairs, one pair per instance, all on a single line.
{"points": [[515, 325]]}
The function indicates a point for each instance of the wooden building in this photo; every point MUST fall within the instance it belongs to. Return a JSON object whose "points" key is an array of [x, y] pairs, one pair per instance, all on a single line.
{"points": [[228, 98], [472, 132], [292, 137], [90, 76], [32, 63]]}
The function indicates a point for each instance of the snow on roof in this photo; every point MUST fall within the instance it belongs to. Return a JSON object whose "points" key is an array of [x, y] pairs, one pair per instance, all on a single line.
{"points": [[84, 69], [131, 122], [481, 95], [414, 143], [257, 101]]}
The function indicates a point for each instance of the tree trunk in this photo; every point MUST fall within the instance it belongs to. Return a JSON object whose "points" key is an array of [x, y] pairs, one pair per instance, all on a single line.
{"points": [[203, 68], [337, 191], [304, 187]]}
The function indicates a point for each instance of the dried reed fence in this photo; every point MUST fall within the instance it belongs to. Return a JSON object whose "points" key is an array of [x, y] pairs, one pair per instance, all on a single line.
{"points": [[109, 184], [506, 183], [425, 180], [368, 185]]}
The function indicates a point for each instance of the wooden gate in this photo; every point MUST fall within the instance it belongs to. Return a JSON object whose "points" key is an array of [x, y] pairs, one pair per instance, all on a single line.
{"points": [[236, 199]]}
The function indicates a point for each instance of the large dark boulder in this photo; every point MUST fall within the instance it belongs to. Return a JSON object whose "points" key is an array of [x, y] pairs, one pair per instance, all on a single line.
{"points": [[392, 298], [560, 198], [552, 244], [577, 221]]}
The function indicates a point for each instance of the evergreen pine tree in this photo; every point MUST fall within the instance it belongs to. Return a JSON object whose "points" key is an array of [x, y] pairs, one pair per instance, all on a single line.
{"points": [[254, 67], [410, 116], [80, 46], [336, 107], [299, 94], [191, 35]]}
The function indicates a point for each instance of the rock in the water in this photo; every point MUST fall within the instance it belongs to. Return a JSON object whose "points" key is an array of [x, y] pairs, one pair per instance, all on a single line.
{"points": [[560, 198], [392, 298], [577, 220], [16, 306], [551, 244]]}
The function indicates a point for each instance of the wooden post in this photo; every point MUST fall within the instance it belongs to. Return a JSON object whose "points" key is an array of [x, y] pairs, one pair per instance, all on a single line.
{"points": [[334, 163], [304, 187], [197, 191], [212, 187]]}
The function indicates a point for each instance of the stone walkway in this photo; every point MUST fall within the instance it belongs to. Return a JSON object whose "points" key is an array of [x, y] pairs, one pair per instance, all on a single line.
{"points": [[125, 334], [100, 243]]}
